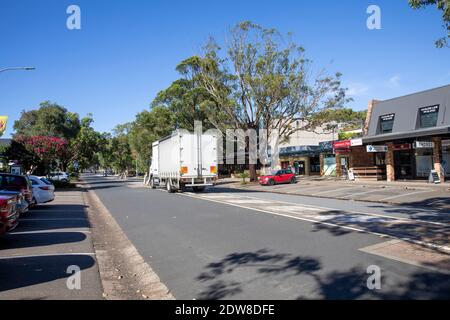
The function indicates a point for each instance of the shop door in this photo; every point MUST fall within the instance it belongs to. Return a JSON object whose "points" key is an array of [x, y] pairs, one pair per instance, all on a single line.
{"points": [[300, 168], [403, 164]]}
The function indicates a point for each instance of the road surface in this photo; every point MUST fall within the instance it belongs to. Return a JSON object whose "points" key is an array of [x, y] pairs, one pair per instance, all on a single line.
{"points": [[229, 244]]}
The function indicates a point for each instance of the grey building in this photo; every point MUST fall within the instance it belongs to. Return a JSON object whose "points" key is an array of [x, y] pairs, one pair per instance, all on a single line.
{"points": [[410, 135]]}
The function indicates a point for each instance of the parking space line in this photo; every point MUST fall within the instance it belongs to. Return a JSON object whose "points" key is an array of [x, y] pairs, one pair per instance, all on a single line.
{"points": [[341, 189], [49, 231], [365, 192], [92, 254], [403, 195], [53, 219]]}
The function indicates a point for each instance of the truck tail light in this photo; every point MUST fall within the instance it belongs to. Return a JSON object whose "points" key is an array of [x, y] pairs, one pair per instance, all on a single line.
{"points": [[213, 169], [184, 170]]}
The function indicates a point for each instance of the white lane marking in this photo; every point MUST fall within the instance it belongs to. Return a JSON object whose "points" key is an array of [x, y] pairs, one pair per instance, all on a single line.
{"points": [[352, 211], [431, 245], [49, 255], [50, 231], [403, 195]]}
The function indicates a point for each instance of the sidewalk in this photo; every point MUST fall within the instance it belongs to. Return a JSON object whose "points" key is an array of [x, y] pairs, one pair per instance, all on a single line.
{"points": [[411, 193], [35, 259]]}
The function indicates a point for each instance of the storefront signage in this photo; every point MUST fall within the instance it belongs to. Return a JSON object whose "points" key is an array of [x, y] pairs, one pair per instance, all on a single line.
{"points": [[388, 117], [431, 109], [423, 145], [403, 146], [344, 144], [445, 143], [356, 142], [371, 148]]}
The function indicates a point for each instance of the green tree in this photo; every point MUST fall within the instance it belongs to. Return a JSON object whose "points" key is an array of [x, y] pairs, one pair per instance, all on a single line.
{"points": [[442, 5], [49, 120], [85, 147], [266, 81], [148, 127]]}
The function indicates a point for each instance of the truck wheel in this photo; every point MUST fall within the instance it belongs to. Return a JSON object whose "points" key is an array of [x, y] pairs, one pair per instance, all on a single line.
{"points": [[182, 187], [169, 187], [198, 189]]}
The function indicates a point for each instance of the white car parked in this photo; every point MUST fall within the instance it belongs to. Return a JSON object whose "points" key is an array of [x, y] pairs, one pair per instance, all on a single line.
{"points": [[60, 176], [43, 190]]}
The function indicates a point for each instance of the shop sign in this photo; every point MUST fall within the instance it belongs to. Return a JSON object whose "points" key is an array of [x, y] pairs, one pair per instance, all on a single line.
{"points": [[431, 109], [344, 144], [356, 142], [423, 145], [445, 143], [371, 148], [403, 146]]}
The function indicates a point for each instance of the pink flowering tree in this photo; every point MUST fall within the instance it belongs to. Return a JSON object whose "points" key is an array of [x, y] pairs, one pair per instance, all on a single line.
{"points": [[44, 152]]}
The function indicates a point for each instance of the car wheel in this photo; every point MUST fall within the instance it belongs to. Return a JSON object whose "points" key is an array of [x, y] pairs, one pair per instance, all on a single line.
{"points": [[152, 184], [271, 182], [293, 180]]}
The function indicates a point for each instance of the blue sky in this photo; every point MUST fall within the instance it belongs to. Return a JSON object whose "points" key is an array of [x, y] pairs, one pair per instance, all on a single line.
{"points": [[127, 51]]}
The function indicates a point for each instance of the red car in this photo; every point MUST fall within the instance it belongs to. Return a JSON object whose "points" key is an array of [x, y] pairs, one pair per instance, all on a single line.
{"points": [[9, 213], [281, 176]]}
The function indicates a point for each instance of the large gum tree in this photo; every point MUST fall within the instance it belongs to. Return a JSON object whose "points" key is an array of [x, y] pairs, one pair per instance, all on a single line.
{"points": [[262, 80]]}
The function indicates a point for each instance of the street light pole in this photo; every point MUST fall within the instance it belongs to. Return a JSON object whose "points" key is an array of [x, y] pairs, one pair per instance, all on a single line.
{"points": [[17, 68]]}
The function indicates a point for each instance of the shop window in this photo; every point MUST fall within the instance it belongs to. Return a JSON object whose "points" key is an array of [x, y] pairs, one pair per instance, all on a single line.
{"points": [[380, 159], [428, 117], [314, 163], [386, 123]]}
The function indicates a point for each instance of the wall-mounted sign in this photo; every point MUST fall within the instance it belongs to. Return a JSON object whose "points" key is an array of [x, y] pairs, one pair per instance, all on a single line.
{"points": [[356, 142], [423, 145], [371, 148], [344, 144], [431, 109], [445, 143], [387, 117], [403, 146]]}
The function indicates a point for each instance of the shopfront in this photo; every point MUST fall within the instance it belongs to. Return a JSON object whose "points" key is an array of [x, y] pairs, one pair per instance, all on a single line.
{"points": [[446, 157]]}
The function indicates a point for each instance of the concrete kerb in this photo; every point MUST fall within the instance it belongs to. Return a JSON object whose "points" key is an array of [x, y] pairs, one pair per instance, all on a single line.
{"points": [[144, 282]]}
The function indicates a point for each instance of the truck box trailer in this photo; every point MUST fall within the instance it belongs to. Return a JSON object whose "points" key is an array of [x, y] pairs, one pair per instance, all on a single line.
{"points": [[184, 160]]}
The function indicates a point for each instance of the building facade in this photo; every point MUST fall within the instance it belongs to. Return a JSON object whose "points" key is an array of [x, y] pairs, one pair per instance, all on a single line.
{"points": [[405, 138]]}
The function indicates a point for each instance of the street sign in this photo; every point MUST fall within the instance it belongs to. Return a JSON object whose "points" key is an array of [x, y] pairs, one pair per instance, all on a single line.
{"points": [[344, 144], [371, 148], [16, 169]]}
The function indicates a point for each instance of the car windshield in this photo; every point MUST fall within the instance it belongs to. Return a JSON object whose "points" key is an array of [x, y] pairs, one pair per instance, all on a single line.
{"points": [[12, 182], [46, 181]]}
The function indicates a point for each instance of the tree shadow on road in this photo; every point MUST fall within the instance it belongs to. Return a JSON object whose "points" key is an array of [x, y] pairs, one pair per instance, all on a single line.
{"points": [[222, 279]]}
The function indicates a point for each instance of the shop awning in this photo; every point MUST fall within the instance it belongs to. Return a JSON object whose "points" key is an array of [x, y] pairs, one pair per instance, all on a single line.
{"points": [[409, 134]]}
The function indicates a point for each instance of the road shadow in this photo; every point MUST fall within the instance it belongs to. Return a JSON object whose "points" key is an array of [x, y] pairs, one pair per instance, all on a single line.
{"points": [[27, 271], [18, 241], [222, 278]]}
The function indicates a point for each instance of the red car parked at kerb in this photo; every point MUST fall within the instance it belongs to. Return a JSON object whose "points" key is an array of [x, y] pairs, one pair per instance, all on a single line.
{"points": [[9, 213], [281, 176]]}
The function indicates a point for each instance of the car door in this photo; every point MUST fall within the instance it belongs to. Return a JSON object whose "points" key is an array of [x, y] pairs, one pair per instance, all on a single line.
{"points": [[278, 176], [285, 176]]}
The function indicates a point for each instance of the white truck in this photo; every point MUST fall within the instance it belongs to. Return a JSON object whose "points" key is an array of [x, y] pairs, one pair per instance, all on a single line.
{"points": [[184, 160]]}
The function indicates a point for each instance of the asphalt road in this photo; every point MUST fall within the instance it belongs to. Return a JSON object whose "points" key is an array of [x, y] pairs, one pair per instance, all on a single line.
{"points": [[228, 245]]}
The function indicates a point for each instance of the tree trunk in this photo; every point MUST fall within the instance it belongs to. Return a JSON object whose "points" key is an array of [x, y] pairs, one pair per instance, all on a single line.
{"points": [[252, 172]]}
